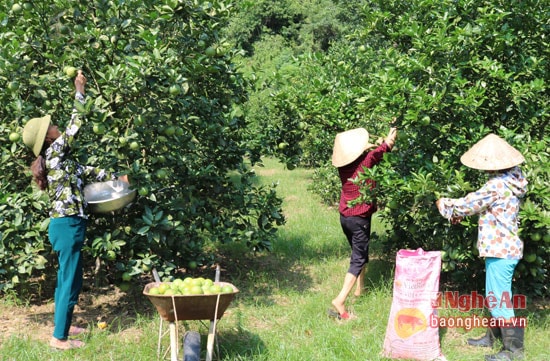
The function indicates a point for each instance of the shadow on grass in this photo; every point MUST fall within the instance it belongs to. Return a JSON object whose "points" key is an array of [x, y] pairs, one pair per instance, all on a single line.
{"points": [[262, 276], [239, 344], [379, 273]]}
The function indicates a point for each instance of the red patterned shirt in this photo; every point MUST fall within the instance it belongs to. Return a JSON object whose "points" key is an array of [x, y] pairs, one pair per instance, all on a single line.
{"points": [[350, 191]]}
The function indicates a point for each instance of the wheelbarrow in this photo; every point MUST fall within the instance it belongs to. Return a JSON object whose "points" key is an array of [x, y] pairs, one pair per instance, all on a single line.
{"points": [[174, 308]]}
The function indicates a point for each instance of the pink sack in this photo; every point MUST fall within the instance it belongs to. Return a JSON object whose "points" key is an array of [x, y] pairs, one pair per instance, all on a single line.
{"points": [[409, 334]]}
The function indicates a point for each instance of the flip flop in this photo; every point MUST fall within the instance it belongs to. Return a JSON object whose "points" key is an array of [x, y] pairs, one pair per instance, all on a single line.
{"points": [[66, 344], [340, 316], [75, 330]]}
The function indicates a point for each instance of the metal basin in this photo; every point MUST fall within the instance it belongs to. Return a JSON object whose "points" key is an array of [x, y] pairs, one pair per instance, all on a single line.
{"points": [[106, 197]]}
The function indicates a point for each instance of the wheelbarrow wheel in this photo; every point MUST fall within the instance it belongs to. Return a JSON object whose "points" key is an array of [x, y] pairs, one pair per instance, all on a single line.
{"points": [[191, 346]]}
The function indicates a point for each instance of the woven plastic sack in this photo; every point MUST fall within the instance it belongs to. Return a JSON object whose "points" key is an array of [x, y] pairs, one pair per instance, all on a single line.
{"points": [[409, 334]]}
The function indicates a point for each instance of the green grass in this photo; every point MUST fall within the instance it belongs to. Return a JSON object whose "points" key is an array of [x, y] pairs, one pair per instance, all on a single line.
{"points": [[280, 313]]}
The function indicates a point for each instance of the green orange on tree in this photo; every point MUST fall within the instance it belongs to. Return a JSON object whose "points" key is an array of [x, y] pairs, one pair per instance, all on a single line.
{"points": [[13, 86], [425, 121], [70, 71], [393, 204], [210, 51], [64, 29], [170, 130], [531, 257], [126, 276], [14, 137], [98, 128], [162, 173], [175, 89], [16, 8]]}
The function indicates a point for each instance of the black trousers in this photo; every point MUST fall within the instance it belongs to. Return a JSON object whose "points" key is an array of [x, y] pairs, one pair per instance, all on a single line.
{"points": [[357, 231]]}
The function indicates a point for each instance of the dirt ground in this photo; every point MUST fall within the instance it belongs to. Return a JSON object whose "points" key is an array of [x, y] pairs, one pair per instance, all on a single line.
{"points": [[109, 304], [31, 314]]}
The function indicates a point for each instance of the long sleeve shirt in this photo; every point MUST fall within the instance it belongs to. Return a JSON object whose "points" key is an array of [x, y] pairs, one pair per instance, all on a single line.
{"points": [[350, 190], [66, 178], [497, 204]]}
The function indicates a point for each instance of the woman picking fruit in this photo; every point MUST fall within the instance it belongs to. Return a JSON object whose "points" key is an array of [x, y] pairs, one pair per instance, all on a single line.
{"points": [[350, 155], [497, 203], [56, 172]]}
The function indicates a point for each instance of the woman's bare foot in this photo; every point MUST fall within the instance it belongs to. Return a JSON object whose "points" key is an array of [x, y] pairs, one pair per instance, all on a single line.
{"points": [[65, 344], [340, 307]]}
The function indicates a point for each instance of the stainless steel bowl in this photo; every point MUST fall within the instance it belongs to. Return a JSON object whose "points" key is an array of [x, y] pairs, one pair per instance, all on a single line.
{"points": [[106, 197]]}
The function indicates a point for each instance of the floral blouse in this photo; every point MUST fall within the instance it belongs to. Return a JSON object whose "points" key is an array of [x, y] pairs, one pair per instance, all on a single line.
{"points": [[65, 176], [497, 204]]}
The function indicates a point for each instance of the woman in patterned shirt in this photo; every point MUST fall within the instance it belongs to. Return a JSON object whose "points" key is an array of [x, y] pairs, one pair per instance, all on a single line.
{"points": [[63, 178], [497, 204]]}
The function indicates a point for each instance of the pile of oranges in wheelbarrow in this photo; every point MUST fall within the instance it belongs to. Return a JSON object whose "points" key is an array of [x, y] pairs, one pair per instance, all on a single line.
{"points": [[190, 286]]}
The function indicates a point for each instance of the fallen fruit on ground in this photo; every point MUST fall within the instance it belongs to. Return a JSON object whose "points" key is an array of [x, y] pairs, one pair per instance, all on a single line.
{"points": [[102, 325]]}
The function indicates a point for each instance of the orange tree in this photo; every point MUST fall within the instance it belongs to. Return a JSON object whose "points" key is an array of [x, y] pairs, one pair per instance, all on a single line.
{"points": [[449, 72], [163, 97]]}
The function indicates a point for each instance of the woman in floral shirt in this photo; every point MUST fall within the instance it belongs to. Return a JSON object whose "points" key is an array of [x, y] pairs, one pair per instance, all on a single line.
{"points": [[54, 170], [497, 204]]}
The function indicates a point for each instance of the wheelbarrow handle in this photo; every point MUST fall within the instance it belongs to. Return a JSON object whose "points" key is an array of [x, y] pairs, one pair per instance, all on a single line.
{"points": [[217, 277], [156, 275]]}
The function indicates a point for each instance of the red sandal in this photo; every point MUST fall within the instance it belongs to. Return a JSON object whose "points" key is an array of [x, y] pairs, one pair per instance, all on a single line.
{"points": [[341, 316]]}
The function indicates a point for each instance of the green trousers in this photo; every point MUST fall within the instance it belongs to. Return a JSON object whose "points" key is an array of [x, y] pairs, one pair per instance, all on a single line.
{"points": [[67, 238]]}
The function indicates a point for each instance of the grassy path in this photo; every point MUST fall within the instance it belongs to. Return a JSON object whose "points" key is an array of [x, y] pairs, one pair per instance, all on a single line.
{"points": [[287, 306], [286, 313]]}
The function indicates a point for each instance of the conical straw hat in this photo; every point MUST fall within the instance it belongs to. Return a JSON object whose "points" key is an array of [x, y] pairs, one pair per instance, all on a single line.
{"points": [[349, 145], [492, 153], [34, 133]]}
